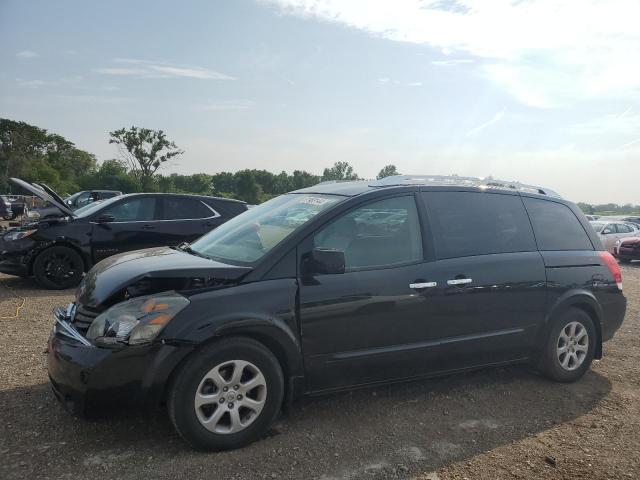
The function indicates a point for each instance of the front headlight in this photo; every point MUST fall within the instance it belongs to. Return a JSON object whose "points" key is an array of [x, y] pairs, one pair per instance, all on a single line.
{"points": [[136, 321], [18, 234]]}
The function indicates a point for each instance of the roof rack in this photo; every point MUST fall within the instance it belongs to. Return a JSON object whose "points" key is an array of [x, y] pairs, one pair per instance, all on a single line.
{"points": [[455, 180]]}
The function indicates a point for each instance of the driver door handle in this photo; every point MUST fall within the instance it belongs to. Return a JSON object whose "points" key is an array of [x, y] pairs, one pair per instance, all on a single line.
{"points": [[148, 227], [459, 281], [421, 285]]}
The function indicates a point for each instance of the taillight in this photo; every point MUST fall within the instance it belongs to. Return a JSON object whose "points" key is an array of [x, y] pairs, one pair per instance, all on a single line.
{"points": [[613, 267]]}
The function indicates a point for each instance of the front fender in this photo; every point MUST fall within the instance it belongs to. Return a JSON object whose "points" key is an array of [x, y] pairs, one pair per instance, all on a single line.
{"points": [[265, 311]]}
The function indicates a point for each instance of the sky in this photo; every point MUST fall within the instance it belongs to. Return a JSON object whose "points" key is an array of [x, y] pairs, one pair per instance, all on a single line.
{"points": [[545, 92]]}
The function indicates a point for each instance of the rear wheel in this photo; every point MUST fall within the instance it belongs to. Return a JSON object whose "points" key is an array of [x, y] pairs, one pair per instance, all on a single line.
{"points": [[226, 395], [570, 347], [58, 267]]}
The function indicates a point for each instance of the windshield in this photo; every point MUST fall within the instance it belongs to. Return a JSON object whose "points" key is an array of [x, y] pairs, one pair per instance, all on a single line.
{"points": [[249, 236], [597, 226]]}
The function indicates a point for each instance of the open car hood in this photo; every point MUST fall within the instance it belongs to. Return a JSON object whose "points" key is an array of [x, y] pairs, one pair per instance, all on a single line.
{"points": [[143, 272], [40, 192]]}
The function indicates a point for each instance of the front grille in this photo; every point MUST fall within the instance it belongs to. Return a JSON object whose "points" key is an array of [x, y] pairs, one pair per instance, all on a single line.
{"points": [[83, 318]]}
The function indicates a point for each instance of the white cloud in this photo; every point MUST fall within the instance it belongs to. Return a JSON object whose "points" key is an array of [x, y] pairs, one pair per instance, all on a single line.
{"points": [[547, 53], [30, 83], [495, 119], [227, 105], [387, 80], [452, 62], [149, 69], [27, 54]]}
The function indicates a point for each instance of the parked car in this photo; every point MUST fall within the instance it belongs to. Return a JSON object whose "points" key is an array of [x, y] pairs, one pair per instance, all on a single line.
{"points": [[77, 200], [274, 304], [627, 249], [611, 232], [5, 208], [58, 250]]}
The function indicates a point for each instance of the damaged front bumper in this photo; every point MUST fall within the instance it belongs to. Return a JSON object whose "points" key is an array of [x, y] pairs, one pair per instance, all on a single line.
{"points": [[87, 378]]}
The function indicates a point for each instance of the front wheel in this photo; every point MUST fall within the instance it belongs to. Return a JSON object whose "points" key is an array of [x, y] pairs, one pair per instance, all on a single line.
{"points": [[227, 395], [570, 347], [58, 268]]}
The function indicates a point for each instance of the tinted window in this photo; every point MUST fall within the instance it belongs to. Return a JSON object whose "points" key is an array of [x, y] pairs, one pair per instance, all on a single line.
{"points": [[556, 226], [623, 228], [380, 233], [178, 208], [135, 209], [467, 223]]}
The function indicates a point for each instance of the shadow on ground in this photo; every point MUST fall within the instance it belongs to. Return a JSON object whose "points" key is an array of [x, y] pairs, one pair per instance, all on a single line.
{"points": [[388, 432]]}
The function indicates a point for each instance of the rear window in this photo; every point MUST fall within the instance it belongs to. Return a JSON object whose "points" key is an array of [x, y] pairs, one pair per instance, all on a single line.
{"points": [[468, 223], [556, 226], [179, 208]]}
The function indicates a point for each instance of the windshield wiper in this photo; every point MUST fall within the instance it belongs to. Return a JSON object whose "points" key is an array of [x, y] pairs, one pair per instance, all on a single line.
{"points": [[185, 247]]}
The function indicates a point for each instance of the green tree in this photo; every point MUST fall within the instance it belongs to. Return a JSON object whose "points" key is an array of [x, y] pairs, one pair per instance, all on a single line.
{"points": [[30, 153], [144, 151], [388, 171], [247, 187], [339, 171]]}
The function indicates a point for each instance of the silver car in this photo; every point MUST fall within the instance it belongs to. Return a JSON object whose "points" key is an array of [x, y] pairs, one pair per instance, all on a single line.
{"points": [[611, 232]]}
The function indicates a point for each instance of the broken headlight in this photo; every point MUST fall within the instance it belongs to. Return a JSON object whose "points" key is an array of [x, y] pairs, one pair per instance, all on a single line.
{"points": [[136, 321]]}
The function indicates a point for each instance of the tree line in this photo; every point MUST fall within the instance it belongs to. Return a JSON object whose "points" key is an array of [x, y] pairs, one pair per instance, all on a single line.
{"points": [[35, 155]]}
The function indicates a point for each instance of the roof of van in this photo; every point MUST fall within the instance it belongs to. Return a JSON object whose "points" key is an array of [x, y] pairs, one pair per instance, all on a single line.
{"points": [[351, 188]]}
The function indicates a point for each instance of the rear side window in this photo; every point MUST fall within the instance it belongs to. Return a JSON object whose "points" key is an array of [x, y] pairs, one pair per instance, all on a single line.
{"points": [[177, 208], [468, 223], [133, 210], [556, 226]]}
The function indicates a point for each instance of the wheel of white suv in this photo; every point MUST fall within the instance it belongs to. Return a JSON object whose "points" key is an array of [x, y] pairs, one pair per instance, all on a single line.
{"points": [[226, 395], [570, 347]]}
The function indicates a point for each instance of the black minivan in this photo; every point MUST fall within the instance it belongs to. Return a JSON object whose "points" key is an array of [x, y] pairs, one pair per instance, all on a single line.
{"points": [[337, 286]]}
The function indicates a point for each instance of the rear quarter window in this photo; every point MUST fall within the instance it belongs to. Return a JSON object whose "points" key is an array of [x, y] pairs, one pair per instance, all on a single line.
{"points": [[469, 223], [556, 227]]}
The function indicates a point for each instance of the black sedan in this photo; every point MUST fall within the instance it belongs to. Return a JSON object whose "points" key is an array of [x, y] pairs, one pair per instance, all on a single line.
{"points": [[57, 251]]}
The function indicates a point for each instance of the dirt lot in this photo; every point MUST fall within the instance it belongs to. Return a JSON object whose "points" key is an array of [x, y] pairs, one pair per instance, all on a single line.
{"points": [[501, 423]]}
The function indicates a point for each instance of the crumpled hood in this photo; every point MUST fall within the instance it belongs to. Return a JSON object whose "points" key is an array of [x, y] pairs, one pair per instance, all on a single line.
{"points": [[168, 267]]}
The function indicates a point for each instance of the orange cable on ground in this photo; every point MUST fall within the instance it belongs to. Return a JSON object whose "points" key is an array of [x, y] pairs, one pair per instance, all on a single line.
{"points": [[18, 308]]}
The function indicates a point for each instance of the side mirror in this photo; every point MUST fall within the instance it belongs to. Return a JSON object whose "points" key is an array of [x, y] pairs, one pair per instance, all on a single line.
{"points": [[325, 261], [606, 231], [105, 218], [69, 202]]}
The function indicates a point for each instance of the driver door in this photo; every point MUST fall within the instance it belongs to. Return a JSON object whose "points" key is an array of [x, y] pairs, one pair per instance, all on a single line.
{"points": [[132, 226], [360, 326]]}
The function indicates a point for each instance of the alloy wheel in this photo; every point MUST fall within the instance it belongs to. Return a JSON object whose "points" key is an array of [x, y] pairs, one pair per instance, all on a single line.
{"points": [[230, 397], [59, 268], [572, 346]]}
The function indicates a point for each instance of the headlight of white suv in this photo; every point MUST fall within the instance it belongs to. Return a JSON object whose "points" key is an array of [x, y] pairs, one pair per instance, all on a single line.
{"points": [[136, 321]]}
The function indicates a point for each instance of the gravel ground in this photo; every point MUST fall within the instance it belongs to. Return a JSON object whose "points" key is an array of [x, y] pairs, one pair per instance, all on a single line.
{"points": [[493, 424]]}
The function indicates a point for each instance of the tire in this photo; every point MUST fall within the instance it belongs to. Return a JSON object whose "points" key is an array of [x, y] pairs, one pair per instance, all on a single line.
{"points": [[624, 260], [226, 357], [58, 268], [578, 345]]}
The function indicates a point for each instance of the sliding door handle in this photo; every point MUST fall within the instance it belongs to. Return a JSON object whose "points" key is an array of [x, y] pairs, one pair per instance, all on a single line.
{"points": [[459, 281], [421, 285]]}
